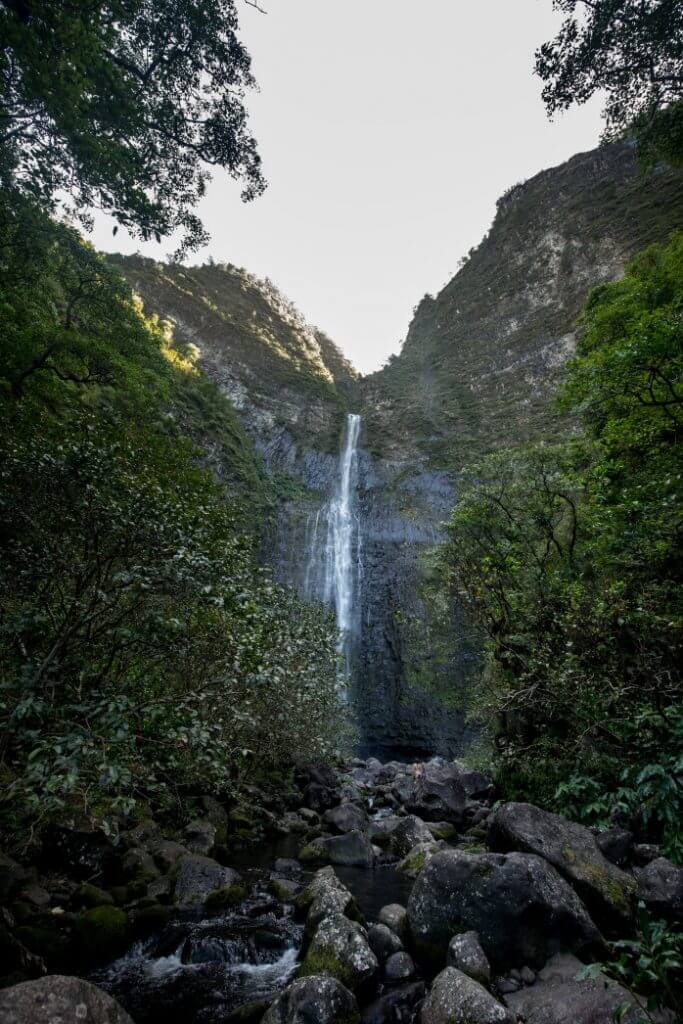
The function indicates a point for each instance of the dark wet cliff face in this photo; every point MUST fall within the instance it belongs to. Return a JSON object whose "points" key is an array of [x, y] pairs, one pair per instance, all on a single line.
{"points": [[477, 372]]}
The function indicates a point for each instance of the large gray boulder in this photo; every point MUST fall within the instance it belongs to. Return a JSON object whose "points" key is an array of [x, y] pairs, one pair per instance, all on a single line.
{"points": [[607, 891], [59, 999], [558, 997], [353, 849], [340, 947], [456, 999], [320, 998], [326, 895], [197, 876], [660, 887], [407, 833], [438, 794], [465, 953], [521, 908], [347, 817]]}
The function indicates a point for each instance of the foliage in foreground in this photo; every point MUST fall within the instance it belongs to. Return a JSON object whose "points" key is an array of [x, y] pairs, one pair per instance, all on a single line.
{"points": [[141, 648], [568, 558]]}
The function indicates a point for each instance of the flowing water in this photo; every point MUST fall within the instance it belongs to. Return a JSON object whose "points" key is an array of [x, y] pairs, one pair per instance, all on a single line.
{"points": [[334, 549]]}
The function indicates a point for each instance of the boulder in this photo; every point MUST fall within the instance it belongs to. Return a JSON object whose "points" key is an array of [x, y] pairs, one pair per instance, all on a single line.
{"points": [[103, 932], [319, 798], [407, 833], [197, 876], [477, 786], [381, 829], [442, 829], [13, 877], [340, 947], [383, 942], [660, 887], [396, 1007], [456, 999], [324, 896], [399, 967], [59, 999], [608, 892], [438, 794], [394, 916], [465, 953], [137, 863], [318, 998], [80, 849], [559, 997], [166, 853], [521, 908], [352, 849], [346, 817]]}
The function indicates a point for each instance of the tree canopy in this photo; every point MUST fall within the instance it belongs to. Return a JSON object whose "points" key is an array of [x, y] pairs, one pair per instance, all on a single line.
{"points": [[124, 105], [633, 51]]}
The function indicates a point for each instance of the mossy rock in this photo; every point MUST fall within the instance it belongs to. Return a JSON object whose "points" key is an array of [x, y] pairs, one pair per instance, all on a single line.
{"points": [[103, 932], [442, 829], [322, 961], [228, 896], [312, 853], [90, 896], [121, 894]]}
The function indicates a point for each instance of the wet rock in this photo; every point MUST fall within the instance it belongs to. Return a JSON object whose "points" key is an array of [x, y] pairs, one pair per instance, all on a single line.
{"points": [[407, 833], [456, 999], [395, 917], [383, 942], [200, 836], [396, 1007], [521, 908], [346, 818], [465, 953], [660, 887], [56, 998], [351, 849], [340, 947], [438, 794], [607, 891], [197, 876], [318, 998], [615, 844], [558, 997], [399, 967]]}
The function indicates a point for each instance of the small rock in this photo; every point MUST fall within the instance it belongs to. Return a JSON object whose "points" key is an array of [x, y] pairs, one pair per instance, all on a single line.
{"points": [[456, 999], [383, 942], [660, 887], [399, 967], [395, 917], [465, 953]]}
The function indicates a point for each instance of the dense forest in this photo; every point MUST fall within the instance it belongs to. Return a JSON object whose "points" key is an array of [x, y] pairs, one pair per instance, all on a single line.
{"points": [[168, 700]]}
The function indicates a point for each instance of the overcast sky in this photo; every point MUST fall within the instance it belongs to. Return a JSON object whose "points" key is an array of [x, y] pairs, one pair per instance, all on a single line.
{"points": [[387, 129]]}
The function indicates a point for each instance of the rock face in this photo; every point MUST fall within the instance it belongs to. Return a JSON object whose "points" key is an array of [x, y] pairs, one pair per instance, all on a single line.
{"points": [[319, 998], [607, 891], [521, 908], [456, 999], [59, 999], [558, 997]]}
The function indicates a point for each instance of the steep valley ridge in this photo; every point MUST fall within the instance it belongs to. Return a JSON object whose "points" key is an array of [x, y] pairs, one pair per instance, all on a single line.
{"points": [[364, 471]]}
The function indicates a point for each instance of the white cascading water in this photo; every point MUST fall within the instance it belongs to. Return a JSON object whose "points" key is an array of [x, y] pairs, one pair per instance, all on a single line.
{"points": [[332, 572]]}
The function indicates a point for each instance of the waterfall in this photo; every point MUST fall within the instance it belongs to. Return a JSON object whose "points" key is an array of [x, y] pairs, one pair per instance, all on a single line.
{"points": [[332, 571]]}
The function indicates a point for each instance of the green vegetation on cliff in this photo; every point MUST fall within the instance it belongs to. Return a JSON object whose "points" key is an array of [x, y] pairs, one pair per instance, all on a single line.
{"points": [[142, 650], [568, 558]]}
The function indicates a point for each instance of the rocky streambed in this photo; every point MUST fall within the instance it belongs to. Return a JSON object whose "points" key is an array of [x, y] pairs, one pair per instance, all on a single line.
{"points": [[383, 894]]}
